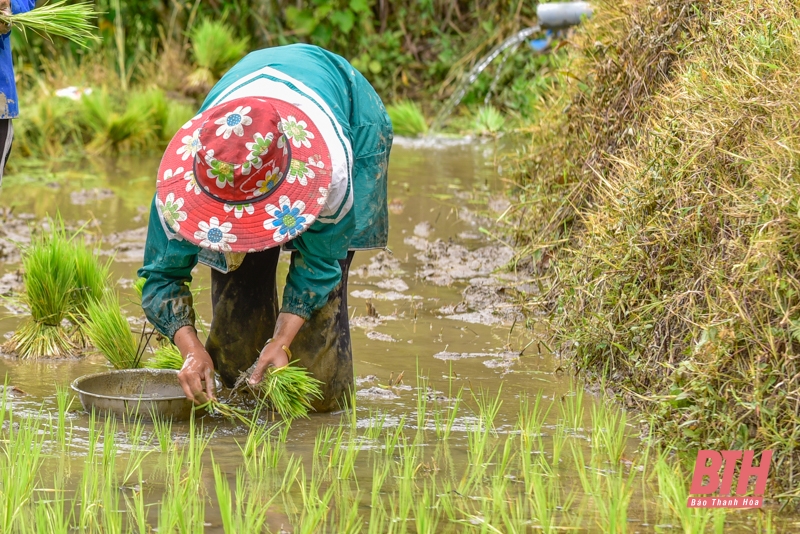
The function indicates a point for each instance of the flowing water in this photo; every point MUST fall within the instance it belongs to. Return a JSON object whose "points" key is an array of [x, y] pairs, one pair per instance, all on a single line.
{"points": [[431, 311], [476, 71]]}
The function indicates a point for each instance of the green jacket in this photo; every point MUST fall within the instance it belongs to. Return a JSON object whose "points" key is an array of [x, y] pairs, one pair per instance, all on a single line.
{"points": [[361, 224]]}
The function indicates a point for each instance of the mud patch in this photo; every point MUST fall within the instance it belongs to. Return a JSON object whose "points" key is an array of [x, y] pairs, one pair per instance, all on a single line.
{"points": [[88, 196], [393, 284], [451, 356], [382, 265], [379, 336], [423, 229], [376, 393], [390, 296], [369, 379], [443, 262], [128, 245]]}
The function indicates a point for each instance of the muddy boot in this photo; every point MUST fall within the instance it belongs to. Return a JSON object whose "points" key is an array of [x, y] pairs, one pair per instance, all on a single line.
{"points": [[245, 307], [323, 347]]}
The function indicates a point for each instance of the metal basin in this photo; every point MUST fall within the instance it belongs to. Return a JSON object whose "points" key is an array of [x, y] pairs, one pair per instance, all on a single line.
{"points": [[134, 393]]}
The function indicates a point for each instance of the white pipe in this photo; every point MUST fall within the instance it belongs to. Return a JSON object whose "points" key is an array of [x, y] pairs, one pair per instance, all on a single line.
{"points": [[562, 14]]}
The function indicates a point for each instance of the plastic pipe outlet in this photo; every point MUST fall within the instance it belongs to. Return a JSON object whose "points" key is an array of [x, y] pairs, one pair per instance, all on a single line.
{"points": [[562, 14]]}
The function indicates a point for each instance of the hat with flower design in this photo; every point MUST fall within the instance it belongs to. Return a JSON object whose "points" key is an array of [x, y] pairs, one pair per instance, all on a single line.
{"points": [[245, 175]]}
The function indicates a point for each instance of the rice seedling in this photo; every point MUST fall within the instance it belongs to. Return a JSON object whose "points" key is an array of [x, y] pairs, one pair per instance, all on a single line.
{"points": [[609, 431], [49, 277], [215, 48], [393, 438], [91, 276], [181, 508], [166, 357], [426, 517], [19, 468], [673, 494], [110, 333], [162, 429], [243, 515], [488, 120], [488, 407], [422, 404], [61, 19], [572, 409], [377, 420], [543, 495], [63, 403], [261, 450], [407, 119], [289, 390], [137, 453], [89, 490]]}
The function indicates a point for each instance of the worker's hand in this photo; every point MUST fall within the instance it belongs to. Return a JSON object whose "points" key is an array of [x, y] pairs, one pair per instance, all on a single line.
{"points": [[5, 9], [271, 356], [198, 368]]}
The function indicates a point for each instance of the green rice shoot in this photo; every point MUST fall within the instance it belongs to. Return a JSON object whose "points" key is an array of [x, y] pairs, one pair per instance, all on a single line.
{"points": [[91, 277], [407, 119], [290, 390], [71, 21], [110, 333], [166, 357]]}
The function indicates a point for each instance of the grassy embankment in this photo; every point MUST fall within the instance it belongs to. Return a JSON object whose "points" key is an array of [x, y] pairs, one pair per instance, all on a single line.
{"points": [[661, 198]]}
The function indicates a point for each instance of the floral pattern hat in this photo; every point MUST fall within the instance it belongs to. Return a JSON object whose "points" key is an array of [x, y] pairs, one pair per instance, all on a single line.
{"points": [[238, 176]]}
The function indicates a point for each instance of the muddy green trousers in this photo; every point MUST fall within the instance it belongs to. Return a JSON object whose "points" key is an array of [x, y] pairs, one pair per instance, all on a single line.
{"points": [[245, 307]]}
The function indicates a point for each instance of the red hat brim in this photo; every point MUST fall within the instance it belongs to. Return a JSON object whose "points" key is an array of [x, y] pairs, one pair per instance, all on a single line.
{"points": [[288, 210]]}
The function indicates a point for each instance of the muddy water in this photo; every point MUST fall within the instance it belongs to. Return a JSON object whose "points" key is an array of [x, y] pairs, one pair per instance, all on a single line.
{"points": [[431, 307]]}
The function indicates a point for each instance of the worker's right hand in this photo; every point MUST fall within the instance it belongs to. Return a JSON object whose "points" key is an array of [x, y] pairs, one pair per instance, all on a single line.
{"points": [[198, 368]]}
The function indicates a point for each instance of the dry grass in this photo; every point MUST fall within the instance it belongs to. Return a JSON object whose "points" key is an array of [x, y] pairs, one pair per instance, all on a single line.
{"points": [[679, 159]]}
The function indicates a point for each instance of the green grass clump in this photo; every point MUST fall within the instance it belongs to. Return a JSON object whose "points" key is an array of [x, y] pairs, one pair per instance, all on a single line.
{"points": [[110, 333], [407, 119], [488, 120], [673, 184], [290, 390], [214, 48]]}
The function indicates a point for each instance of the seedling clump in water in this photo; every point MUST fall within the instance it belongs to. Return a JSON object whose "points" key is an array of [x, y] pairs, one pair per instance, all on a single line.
{"points": [[289, 390]]}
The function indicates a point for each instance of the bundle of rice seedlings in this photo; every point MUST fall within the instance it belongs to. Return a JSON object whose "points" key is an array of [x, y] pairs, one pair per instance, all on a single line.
{"points": [[289, 390], [109, 332], [407, 119], [91, 277], [59, 18], [48, 264], [214, 48], [166, 357]]}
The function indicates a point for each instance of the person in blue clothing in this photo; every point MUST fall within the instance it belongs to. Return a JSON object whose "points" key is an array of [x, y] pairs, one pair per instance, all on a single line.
{"points": [[290, 149], [9, 106]]}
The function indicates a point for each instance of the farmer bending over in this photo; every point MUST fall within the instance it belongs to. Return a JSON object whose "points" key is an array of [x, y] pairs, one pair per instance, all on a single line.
{"points": [[290, 148]]}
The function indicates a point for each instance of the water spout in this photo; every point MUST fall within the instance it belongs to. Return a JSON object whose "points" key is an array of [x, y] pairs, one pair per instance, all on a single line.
{"points": [[473, 74], [550, 15]]}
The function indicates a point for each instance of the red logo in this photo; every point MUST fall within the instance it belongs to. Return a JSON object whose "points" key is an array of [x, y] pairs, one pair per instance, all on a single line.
{"points": [[709, 464]]}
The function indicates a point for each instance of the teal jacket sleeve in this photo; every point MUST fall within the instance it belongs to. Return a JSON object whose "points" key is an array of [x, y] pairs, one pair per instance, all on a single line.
{"points": [[168, 264], [315, 269]]}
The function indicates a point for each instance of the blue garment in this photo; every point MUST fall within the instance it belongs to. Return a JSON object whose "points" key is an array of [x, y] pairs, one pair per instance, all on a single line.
{"points": [[9, 107]]}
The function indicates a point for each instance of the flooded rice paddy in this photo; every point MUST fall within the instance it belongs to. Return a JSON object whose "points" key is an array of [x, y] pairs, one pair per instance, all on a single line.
{"points": [[462, 422]]}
